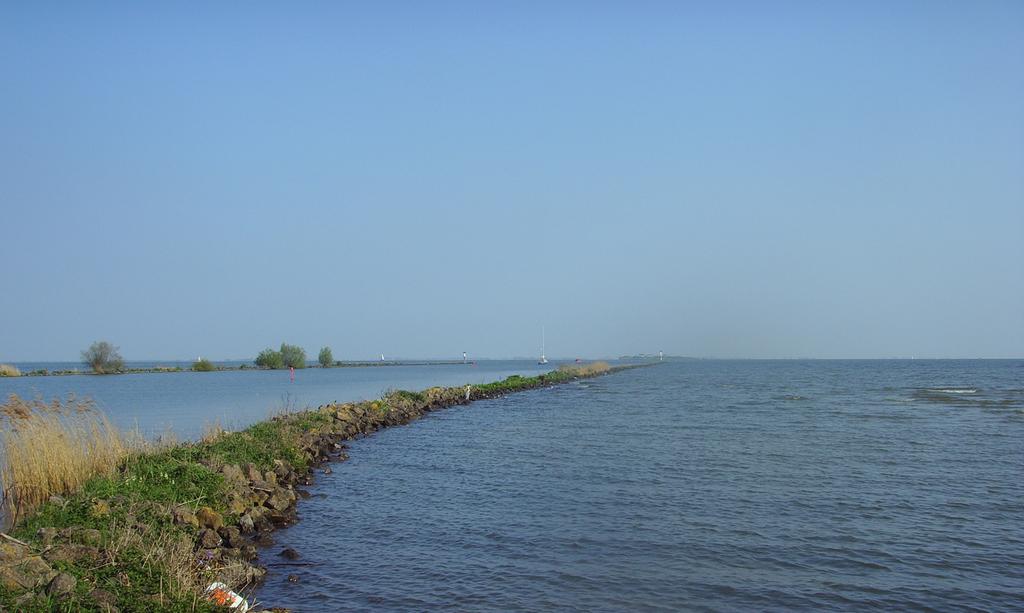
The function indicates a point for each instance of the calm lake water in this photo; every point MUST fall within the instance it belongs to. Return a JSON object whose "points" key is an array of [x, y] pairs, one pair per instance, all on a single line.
{"points": [[185, 402], [713, 485]]}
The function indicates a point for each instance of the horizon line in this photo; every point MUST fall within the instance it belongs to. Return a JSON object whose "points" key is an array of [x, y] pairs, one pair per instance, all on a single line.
{"points": [[524, 358]]}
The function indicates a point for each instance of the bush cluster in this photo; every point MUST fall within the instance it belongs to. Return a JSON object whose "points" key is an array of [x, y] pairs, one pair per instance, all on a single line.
{"points": [[203, 365], [103, 358], [291, 356]]}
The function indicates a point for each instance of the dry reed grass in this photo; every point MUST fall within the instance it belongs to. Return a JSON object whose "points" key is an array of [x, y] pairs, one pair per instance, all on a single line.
{"points": [[585, 370], [7, 370], [168, 552], [54, 448], [212, 431], [185, 572]]}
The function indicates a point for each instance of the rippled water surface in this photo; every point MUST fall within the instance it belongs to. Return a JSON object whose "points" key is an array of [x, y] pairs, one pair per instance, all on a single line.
{"points": [[712, 485]]}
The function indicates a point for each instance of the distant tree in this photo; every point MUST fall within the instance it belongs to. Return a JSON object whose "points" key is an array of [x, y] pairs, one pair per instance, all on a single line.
{"points": [[293, 355], [326, 358], [103, 358], [203, 365], [268, 358]]}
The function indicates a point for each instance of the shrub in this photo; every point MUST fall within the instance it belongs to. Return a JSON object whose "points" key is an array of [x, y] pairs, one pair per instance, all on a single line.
{"points": [[268, 358], [103, 358], [6, 370], [289, 355], [203, 365], [326, 358], [293, 355]]}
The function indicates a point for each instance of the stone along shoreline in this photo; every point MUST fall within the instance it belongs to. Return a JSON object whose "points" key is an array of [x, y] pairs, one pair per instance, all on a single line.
{"points": [[170, 522]]}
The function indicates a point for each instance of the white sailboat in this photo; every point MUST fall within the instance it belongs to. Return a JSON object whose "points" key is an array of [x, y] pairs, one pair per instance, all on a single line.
{"points": [[542, 360]]}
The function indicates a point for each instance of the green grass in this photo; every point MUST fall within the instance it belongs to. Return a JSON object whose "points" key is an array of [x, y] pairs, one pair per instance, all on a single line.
{"points": [[142, 492], [406, 395], [168, 477], [259, 444]]}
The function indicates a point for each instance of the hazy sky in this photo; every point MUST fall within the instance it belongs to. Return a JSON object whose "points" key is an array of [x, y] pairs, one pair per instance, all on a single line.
{"points": [[753, 179]]}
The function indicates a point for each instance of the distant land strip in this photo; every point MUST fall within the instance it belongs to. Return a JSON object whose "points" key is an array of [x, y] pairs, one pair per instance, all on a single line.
{"points": [[44, 372]]}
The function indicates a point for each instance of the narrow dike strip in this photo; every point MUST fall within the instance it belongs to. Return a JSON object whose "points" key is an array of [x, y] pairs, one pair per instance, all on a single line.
{"points": [[177, 528]]}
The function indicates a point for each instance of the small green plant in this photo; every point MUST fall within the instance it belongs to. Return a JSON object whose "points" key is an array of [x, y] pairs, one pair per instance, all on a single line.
{"points": [[203, 365], [103, 358], [326, 357]]}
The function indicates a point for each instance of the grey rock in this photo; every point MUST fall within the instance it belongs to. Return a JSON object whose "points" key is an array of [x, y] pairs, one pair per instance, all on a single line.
{"points": [[232, 536], [234, 474], [61, 585], [252, 472], [209, 539], [107, 601], [46, 536], [184, 516], [246, 524], [71, 553]]}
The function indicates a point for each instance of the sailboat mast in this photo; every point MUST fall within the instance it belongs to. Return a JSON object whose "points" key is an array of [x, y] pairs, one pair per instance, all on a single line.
{"points": [[543, 359]]}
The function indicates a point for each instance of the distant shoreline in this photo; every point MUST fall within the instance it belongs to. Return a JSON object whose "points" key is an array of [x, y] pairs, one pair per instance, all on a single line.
{"points": [[44, 372]]}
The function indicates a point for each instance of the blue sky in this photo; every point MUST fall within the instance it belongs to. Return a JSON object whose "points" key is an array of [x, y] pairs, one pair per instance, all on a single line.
{"points": [[419, 179]]}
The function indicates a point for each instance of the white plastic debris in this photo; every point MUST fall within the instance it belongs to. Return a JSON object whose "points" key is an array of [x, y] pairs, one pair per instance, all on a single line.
{"points": [[222, 595]]}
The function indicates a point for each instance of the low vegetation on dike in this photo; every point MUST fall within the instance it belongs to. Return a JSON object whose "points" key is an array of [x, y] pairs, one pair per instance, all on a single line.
{"points": [[101, 519], [203, 365], [7, 370]]}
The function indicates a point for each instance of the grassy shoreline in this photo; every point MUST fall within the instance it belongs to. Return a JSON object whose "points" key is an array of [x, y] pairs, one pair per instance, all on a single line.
{"points": [[162, 524]]}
